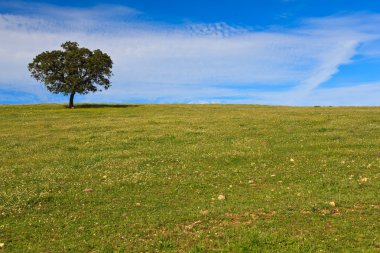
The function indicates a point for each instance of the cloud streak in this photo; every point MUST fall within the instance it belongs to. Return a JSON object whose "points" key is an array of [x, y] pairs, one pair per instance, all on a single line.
{"points": [[189, 62]]}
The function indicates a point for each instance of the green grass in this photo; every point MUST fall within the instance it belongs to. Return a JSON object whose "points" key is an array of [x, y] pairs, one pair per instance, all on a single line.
{"points": [[153, 174]]}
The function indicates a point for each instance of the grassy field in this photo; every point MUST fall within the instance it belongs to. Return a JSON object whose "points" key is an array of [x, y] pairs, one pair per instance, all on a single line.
{"points": [[189, 178]]}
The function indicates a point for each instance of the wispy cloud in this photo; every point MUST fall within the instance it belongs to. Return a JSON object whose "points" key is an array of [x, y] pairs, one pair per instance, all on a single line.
{"points": [[189, 62], [103, 12]]}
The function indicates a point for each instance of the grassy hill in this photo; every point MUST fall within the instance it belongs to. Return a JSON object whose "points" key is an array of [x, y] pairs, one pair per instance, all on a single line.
{"points": [[189, 178]]}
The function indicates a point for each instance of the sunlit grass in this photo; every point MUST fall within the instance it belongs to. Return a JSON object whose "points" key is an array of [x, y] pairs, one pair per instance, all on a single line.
{"points": [[104, 178]]}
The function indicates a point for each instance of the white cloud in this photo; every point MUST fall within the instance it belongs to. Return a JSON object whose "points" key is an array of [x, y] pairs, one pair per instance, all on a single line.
{"points": [[192, 62], [357, 95], [96, 13]]}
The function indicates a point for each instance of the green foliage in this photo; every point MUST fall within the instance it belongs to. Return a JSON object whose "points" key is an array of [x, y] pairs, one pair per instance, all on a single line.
{"points": [[73, 70], [146, 178]]}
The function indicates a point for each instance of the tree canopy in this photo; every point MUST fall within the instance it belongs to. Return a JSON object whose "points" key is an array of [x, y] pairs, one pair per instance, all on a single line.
{"points": [[72, 70]]}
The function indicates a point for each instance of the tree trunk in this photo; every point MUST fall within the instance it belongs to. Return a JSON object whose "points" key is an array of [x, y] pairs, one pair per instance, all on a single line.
{"points": [[71, 103]]}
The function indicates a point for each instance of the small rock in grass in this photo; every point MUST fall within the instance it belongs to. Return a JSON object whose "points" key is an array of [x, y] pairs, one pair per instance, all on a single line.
{"points": [[2, 245], [335, 212], [291, 159], [192, 224], [221, 197], [332, 203], [138, 204], [251, 182], [88, 190], [325, 211]]}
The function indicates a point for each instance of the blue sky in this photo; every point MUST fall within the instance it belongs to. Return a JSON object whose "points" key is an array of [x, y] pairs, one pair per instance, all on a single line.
{"points": [[281, 52]]}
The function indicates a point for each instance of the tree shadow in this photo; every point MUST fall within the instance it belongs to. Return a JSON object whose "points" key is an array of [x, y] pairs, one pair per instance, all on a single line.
{"points": [[104, 106]]}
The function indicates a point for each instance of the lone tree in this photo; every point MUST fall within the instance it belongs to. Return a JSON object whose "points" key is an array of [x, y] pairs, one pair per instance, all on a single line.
{"points": [[73, 70]]}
